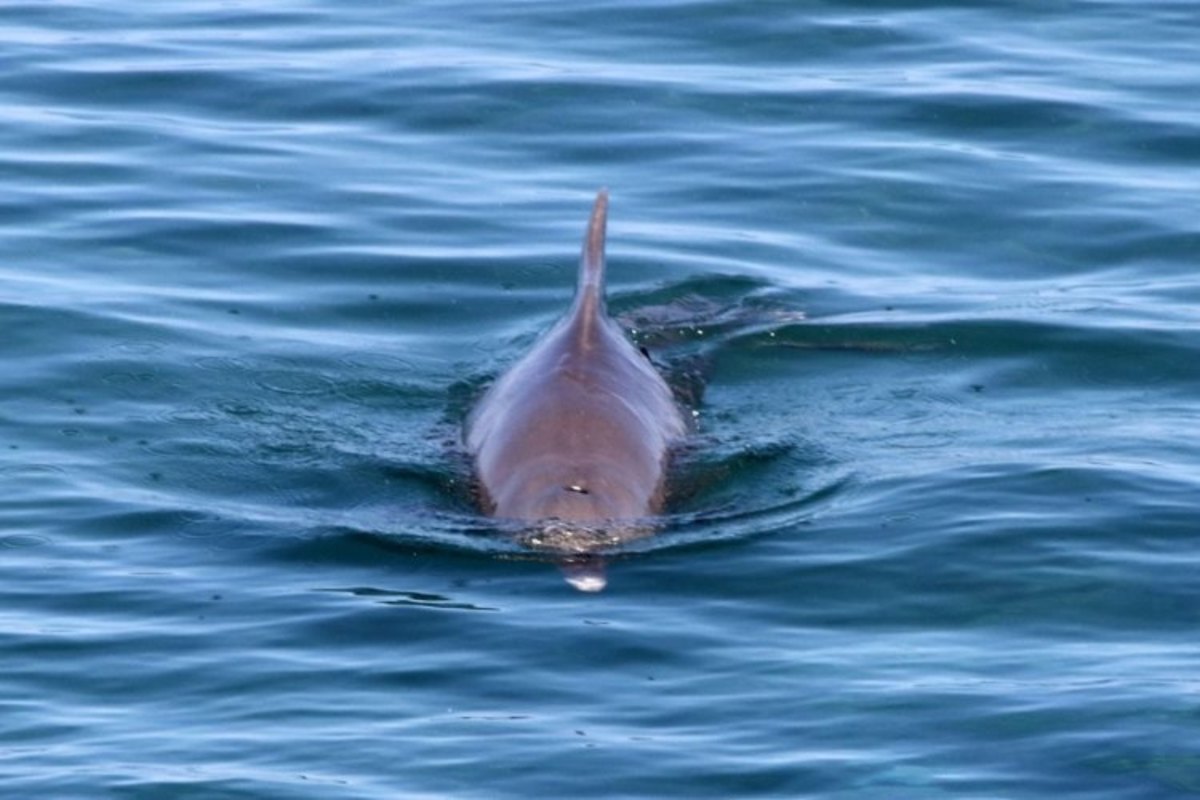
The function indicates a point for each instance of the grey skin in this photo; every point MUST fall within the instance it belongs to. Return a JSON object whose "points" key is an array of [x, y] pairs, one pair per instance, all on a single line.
{"points": [[577, 433]]}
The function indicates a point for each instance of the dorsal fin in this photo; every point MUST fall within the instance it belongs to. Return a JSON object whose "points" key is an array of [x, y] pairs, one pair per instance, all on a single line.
{"points": [[589, 293]]}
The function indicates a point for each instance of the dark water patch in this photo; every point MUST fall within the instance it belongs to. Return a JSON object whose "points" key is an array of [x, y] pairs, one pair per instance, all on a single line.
{"points": [[1108, 357], [716, 307], [409, 599], [16, 541]]}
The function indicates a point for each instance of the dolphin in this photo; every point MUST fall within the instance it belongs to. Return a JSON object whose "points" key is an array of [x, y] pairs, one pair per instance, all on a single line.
{"points": [[573, 440]]}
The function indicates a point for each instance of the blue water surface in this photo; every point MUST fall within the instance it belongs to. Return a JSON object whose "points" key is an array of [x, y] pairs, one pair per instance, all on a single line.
{"points": [[924, 275]]}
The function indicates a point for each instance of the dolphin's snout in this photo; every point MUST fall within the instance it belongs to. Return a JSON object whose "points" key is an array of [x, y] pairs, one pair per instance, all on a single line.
{"points": [[586, 574]]}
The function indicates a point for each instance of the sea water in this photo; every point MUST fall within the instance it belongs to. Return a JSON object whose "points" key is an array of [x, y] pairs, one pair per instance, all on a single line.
{"points": [[925, 275]]}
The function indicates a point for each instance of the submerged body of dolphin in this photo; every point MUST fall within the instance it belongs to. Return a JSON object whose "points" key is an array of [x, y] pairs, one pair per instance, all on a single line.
{"points": [[578, 431]]}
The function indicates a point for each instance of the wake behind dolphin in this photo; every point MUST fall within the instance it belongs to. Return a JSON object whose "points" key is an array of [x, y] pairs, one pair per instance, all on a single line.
{"points": [[573, 440]]}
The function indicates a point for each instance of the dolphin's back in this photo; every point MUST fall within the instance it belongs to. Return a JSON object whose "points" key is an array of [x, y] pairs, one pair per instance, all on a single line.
{"points": [[579, 429]]}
